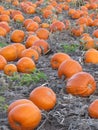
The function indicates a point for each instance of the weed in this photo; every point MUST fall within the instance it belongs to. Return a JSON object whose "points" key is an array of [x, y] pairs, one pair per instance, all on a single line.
{"points": [[2, 44], [3, 106], [27, 79], [70, 47]]}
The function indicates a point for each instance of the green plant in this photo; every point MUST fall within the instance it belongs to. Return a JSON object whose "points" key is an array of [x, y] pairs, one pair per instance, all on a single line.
{"points": [[69, 47], [27, 79], [3, 105], [3, 44]]}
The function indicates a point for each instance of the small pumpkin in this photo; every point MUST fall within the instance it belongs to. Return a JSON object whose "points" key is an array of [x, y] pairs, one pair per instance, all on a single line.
{"points": [[81, 84], [27, 21], [57, 26], [22, 117], [57, 59], [37, 19], [17, 36], [10, 69], [68, 68], [93, 109], [91, 56], [32, 26], [43, 97], [18, 17], [42, 33], [25, 65], [77, 30]]}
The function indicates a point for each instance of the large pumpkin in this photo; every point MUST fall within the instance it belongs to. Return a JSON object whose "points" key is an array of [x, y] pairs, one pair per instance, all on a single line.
{"points": [[43, 97], [81, 84], [24, 117]]}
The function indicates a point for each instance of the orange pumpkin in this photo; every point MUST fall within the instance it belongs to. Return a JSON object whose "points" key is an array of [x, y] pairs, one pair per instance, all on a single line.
{"points": [[9, 52], [18, 17], [57, 26], [4, 18], [91, 56], [37, 19], [31, 53], [30, 40], [43, 97], [42, 33], [17, 36], [68, 68], [77, 30], [27, 21], [25, 65], [93, 109], [32, 26], [57, 59], [3, 62], [10, 69], [81, 84], [22, 117]]}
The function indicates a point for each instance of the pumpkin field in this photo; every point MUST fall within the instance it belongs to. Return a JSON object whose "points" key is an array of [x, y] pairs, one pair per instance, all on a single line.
{"points": [[48, 64]]}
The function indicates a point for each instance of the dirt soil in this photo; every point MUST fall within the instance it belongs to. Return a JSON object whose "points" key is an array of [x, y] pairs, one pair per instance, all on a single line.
{"points": [[70, 112]]}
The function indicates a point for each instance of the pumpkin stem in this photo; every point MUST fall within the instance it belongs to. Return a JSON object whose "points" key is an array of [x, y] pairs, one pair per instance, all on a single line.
{"points": [[89, 86]]}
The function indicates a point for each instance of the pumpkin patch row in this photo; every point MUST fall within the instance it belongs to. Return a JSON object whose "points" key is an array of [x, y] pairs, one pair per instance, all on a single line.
{"points": [[26, 114], [29, 44]]}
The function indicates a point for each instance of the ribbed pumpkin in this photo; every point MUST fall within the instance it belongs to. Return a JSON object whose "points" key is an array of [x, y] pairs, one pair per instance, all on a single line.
{"points": [[81, 84], [68, 68]]}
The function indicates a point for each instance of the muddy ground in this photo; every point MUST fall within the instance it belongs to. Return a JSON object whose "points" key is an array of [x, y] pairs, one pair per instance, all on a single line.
{"points": [[70, 112]]}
